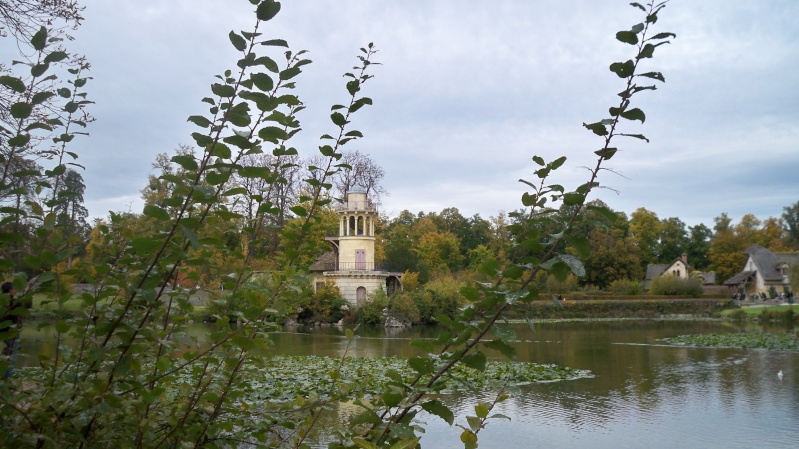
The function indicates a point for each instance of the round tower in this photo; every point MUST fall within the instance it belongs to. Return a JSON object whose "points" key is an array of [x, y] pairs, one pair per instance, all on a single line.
{"points": [[357, 216]]}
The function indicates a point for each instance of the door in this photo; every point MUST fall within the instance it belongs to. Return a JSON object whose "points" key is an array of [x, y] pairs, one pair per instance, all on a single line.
{"points": [[360, 259]]}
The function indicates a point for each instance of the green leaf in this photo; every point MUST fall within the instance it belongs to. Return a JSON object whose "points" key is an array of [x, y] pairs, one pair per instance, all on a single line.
{"points": [[475, 360], [262, 81], [647, 52], [606, 153], [504, 348], [338, 119], [437, 408], [539, 160], [145, 245], [220, 150], [634, 114], [572, 199], [239, 141], [637, 136], [39, 40], [299, 211], [662, 36], [582, 246], [41, 97], [654, 75], [20, 140], [155, 212], [239, 42], [267, 10], [191, 236], [364, 444], [421, 365], [186, 161], [628, 37], [289, 73], [223, 90], [200, 121], [272, 134], [623, 69], [56, 56], [239, 115], [202, 140], [21, 110], [13, 83], [597, 128], [276, 43], [39, 69]]}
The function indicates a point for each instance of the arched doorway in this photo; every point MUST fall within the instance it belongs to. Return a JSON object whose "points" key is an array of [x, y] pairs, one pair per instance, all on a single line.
{"points": [[360, 296]]}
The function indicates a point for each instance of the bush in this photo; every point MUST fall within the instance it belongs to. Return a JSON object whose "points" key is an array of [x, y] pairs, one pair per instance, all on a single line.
{"points": [[403, 307], [626, 287], [556, 286], [372, 310], [326, 303], [674, 286]]}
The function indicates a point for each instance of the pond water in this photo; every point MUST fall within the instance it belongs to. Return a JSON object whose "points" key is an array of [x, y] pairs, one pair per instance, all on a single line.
{"points": [[643, 393]]}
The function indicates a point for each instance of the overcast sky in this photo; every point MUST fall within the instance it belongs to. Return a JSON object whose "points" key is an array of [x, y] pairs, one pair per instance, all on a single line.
{"points": [[468, 92]]}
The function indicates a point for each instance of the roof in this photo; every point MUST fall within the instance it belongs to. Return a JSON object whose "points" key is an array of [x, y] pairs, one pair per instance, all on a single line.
{"points": [[739, 278], [654, 270], [325, 262], [708, 277], [767, 263]]}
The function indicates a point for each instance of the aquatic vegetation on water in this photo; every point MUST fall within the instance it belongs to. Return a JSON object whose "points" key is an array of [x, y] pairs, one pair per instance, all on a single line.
{"points": [[746, 340], [284, 377]]}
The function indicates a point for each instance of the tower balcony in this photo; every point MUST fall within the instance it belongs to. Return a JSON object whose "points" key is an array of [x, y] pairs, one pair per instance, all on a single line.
{"points": [[356, 206], [348, 266]]}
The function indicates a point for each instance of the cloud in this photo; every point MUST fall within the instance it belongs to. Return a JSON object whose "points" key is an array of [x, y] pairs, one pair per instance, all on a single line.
{"points": [[468, 92]]}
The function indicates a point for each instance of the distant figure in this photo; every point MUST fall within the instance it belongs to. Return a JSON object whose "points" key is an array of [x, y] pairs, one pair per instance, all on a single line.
{"points": [[9, 319], [780, 375]]}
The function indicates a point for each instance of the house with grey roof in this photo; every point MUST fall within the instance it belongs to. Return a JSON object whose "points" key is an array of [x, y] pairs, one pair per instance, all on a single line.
{"points": [[762, 270], [679, 268]]}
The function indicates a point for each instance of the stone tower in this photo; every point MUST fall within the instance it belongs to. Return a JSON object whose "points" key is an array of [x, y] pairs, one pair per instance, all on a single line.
{"points": [[351, 264]]}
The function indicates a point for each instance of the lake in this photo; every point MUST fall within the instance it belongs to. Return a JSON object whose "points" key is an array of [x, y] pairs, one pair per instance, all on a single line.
{"points": [[643, 393]]}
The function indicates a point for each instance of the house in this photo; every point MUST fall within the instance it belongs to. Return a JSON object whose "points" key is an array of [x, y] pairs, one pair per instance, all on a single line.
{"points": [[351, 263], [679, 268], [762, 270]]}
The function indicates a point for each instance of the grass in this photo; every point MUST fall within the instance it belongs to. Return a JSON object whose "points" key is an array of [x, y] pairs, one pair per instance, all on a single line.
{"points": [[757, 311]]}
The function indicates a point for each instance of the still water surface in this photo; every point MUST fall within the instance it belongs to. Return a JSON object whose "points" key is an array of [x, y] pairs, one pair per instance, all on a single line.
{"points": [[644, 394]]}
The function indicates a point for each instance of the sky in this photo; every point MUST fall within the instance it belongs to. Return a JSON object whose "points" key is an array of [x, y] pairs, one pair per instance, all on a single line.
{"points": [[468, 92]]}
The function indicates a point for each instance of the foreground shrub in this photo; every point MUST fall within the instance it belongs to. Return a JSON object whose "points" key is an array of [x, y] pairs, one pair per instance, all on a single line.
{"points": [[626, 287], [674, 286], [371, 312], [403, 308]]}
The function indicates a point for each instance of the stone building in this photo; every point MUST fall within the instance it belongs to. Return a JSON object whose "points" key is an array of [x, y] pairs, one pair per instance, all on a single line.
{"points": [[351, 263], [763, 269]]}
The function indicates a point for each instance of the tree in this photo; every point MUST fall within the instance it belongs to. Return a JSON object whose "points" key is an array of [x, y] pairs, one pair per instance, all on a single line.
{"points": [[698, 246], [790, 217], [612, 257], [126, 380], [23, 18], [673, 240], [359, 170], [645, 229]]}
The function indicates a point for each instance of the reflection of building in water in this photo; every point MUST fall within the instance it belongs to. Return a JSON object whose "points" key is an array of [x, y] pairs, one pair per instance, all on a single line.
{"points": [[351, 263]]}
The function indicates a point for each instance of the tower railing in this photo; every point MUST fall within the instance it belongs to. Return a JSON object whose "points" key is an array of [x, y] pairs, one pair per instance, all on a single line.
{"points": [[356, 206], [351, 266]]}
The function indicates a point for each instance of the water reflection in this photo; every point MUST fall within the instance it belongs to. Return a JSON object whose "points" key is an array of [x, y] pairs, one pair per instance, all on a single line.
{"points": [[644, 393]]}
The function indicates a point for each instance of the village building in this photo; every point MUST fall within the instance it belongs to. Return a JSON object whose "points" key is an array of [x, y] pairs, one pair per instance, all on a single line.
{"points": [[679, 268], [351, 263], [763, 269]]}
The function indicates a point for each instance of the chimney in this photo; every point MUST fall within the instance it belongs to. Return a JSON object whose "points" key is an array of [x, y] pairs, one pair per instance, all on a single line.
{"points": [[685, 258]]}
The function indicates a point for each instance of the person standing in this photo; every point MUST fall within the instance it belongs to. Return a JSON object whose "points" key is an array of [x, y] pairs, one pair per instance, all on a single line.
{"points": [[11, 318]]}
